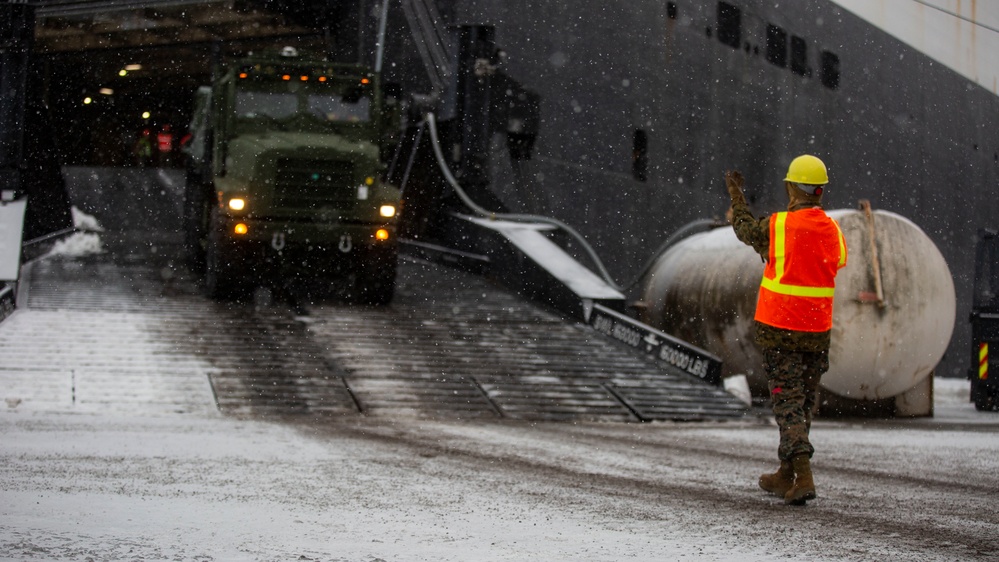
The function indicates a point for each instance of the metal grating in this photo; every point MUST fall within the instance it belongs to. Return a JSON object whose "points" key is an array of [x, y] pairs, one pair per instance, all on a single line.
{"points": [[450, 345], [458, 333]]}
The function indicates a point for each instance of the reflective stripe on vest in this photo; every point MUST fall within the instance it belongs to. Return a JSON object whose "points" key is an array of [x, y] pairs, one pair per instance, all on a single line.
{"points": [[785, 301], [780, 250], [842, 246]]}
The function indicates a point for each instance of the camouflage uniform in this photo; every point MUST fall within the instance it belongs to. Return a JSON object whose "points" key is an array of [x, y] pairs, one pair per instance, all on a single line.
{"points": [[794, 361]]}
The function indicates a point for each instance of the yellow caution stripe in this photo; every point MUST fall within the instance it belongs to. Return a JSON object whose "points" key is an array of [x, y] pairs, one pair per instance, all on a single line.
{"points": [[983, 360]]}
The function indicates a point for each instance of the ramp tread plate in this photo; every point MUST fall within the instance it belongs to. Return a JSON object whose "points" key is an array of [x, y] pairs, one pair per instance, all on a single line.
{"points": [[449, 342]]}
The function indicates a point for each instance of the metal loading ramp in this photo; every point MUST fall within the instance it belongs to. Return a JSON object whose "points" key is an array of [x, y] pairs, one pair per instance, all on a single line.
{"points": [[93, 333], [454, 343]]}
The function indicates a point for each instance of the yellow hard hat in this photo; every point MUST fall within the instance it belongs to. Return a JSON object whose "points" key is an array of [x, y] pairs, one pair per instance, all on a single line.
{"points": [[807, 169]]}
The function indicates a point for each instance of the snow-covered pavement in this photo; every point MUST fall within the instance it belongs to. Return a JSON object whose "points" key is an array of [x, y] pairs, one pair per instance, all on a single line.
{"points": [[126, 484], [115, 451]]}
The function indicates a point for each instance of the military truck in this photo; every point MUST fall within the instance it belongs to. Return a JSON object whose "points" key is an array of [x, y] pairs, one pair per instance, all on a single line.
{"points": [[284, 179]]}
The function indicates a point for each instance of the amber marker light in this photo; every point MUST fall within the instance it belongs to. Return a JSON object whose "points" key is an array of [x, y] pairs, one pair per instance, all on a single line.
{"points": [[286, 77], [237, 204], [240, 228], [305, 78], [365, 81], [382, 234], [243, 75], [322, 78], [387, 211]]}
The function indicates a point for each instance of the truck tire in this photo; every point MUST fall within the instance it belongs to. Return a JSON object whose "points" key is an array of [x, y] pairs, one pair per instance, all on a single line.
{"points": [[195, 211], [224, 279], [378, 291], [376, 283]]}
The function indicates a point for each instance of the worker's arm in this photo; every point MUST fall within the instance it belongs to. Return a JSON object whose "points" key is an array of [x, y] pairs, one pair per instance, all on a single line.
{"points": [[750, 230]]}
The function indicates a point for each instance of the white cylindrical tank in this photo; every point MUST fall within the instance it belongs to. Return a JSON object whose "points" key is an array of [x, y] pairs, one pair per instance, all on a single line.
{"points": [[704, 289]]}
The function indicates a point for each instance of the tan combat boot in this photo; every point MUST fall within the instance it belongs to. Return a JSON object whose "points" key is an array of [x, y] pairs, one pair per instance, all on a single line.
{"points": [[803, 488], [779, 482]]}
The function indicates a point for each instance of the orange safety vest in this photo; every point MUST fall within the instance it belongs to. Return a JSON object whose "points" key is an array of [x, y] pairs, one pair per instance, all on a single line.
{"points": [[164, 141], [807, 248]]}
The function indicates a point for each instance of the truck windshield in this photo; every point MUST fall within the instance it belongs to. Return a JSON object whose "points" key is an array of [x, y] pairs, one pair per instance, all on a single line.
{"points": [[250, 105], [335, 108], [325, 104]]}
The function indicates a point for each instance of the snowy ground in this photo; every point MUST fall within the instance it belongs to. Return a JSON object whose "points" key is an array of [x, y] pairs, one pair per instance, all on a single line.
{"points": [[128, 485], [151, 471]]}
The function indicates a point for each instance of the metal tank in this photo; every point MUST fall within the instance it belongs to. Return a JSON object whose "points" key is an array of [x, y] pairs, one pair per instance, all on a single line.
{"points": [[703, 289]]}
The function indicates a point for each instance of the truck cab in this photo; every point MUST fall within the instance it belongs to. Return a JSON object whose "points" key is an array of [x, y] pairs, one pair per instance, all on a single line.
{"points": [[285, 181]]}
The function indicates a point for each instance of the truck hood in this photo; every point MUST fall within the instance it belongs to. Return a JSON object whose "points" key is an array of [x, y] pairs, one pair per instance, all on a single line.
{"points": [[250, 155]]}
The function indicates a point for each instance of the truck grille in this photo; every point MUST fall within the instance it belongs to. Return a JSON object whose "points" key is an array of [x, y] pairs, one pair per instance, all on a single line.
{"points": [[311, 184]]}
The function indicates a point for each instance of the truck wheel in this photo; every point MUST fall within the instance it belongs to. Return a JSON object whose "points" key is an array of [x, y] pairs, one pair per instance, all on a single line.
{"points": [[195, 217], [223, 280], [376, 283], [378, 291]]}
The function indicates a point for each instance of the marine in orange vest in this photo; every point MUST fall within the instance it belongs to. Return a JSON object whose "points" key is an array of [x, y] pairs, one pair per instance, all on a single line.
{"points": [[803, 249], [164, 144]]}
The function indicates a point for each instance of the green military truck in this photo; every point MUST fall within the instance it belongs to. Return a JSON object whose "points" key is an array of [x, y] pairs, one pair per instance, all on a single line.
{"points": [[284, 183]]}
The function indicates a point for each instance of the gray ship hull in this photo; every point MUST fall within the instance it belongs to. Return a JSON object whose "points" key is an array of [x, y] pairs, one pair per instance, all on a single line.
{"points": [[646, 104]]}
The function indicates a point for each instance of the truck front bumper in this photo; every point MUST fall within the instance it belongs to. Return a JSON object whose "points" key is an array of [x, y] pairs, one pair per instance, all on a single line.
{"points": [[308, 250]]}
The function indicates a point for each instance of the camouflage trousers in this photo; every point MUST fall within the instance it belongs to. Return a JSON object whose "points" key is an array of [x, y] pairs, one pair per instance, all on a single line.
{"points": [[793, 377]]}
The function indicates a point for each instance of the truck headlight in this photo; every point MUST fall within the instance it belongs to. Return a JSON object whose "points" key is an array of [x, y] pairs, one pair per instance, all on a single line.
{"points": [[382, 234], [237, 203], [387, 211]]}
